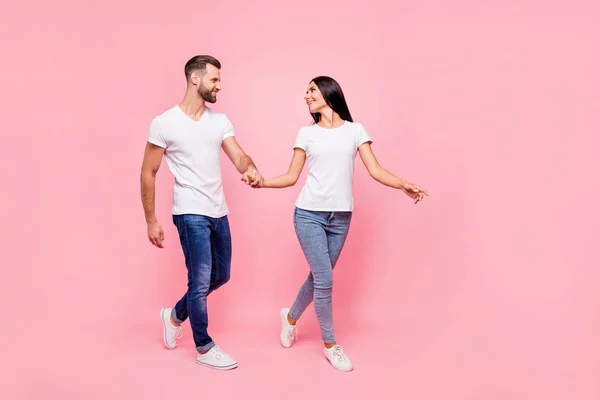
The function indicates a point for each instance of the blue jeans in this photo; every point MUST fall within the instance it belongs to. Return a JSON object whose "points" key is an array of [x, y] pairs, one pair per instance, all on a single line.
{"points": [[206, 244], [321, 236]]}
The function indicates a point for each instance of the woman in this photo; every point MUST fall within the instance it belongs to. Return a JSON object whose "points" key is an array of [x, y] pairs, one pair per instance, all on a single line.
{"points": [[324, 207]]}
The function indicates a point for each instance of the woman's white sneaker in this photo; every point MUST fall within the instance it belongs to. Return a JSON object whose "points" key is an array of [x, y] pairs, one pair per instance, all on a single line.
{"points": [[289, 332], [170, 332], [217, 359], [338, 359]]}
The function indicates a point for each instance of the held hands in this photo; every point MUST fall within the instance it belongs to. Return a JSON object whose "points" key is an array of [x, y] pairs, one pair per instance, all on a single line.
{"points": [[414, 192], [253, 178]]}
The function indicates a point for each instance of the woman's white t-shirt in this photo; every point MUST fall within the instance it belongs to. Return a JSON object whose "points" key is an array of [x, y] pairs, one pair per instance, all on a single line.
{"points": [[330, 154]]}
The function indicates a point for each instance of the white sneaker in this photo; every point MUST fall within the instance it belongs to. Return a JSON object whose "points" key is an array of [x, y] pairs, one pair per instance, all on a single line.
{"points": [[289, 332], [170, 332], [338, 359], [217, 359]]}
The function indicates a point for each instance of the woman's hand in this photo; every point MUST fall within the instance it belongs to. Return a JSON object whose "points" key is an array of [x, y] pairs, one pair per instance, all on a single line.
{"points": [[414, 192]]}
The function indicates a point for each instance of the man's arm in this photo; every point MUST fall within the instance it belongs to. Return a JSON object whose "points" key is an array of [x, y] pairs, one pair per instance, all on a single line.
{"points": [[242, 161], [152, 159]]}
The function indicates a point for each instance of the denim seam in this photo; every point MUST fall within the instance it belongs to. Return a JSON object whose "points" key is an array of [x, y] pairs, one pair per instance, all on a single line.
{"points": [[301, 241], [305, 255], [187, 246]]}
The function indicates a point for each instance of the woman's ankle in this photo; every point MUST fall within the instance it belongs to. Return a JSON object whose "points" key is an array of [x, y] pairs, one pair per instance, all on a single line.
{"points": [[291, 320]]}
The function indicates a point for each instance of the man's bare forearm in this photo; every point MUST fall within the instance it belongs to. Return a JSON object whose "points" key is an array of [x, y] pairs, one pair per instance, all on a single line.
{"points": [[244, 163], [148, 191]]}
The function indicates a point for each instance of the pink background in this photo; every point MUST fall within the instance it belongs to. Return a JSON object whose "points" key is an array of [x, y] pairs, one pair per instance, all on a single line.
{"points": [[489, 289]]}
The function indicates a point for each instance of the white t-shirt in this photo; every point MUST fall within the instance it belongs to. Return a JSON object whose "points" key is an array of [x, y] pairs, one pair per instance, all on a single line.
{"points": [[193, 154], [330, 154]]}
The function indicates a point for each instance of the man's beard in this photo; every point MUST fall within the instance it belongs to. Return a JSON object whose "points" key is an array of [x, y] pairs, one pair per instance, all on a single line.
{"points": [[206, 94]]}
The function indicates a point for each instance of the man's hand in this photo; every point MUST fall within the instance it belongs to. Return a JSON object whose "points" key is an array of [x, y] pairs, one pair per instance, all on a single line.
{"points": [[252, 177], [156, 234]]}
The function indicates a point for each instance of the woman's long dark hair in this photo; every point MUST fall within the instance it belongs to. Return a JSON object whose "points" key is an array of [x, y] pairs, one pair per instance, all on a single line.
{"points": [[334, 98]]}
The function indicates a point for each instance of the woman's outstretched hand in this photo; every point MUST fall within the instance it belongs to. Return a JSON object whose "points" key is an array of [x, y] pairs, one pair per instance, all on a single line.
{"points": [[414, 192]]}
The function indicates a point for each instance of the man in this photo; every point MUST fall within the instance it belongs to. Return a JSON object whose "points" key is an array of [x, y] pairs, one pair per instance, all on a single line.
{"points": [[190, 136]]}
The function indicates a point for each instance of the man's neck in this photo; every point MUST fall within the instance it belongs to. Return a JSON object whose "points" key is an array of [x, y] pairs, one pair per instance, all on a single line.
{"points": [[193, 105]]}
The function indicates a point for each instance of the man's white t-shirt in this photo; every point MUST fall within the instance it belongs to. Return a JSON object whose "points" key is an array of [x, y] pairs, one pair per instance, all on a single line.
{"points": [[193, 154], [330, 154]]}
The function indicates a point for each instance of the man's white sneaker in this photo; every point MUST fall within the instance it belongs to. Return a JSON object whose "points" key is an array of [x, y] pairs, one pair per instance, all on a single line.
{"points": [[289, 332], [170, 332], [217, 359], [338, 359]]}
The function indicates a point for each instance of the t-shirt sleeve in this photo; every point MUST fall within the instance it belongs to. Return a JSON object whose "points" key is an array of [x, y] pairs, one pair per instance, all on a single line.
{"points": [[228, 128], [363, 136], [156, 135], [300, 140]]}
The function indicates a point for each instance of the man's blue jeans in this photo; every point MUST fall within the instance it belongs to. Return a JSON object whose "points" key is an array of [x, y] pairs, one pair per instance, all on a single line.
{"points": [[206, 244]]}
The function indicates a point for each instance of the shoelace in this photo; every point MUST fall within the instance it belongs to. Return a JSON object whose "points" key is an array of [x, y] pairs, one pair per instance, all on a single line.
{"points": [[179, 333], [290, 331], [218, 352], [337, 351]]}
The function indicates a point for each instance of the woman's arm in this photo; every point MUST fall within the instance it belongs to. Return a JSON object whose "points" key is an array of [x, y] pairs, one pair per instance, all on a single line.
{"points": [[385, 177], [291, 177]]}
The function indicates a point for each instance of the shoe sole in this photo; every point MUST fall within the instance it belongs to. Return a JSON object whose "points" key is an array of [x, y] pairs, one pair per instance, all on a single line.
{"points": [[226, 368], [162, 319]]}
